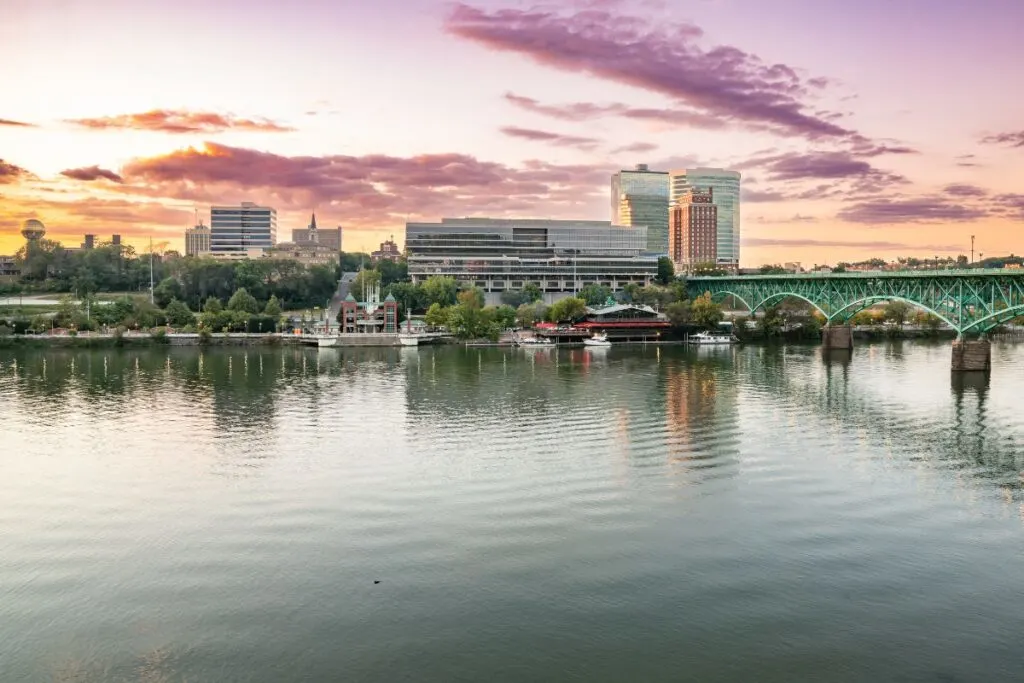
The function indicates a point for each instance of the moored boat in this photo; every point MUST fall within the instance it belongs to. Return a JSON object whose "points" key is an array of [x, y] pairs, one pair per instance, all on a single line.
{"points": [[712, 338], [599, 339]]}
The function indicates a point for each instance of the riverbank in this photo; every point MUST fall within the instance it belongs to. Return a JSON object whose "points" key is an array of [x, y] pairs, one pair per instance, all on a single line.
{"points": [[136, 340]]}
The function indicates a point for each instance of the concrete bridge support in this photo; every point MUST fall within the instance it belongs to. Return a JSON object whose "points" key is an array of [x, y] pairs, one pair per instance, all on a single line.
{"points": [[972, 355], [837, 337]]}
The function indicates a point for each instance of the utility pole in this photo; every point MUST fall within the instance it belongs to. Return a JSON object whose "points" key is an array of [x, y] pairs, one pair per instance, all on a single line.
{"points": [[972, 250], [150, 270]]}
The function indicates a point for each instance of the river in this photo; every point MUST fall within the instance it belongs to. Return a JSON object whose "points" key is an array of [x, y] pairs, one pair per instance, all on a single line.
{"points": [[453, 514]]}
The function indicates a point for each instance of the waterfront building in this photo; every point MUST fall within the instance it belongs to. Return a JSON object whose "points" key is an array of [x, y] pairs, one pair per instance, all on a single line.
{"points": [[641, 198], [560, 257], [693, 237], [311, 234], [197, 240], [725, 185], [388, 251], [242, 231], [369, 316]]}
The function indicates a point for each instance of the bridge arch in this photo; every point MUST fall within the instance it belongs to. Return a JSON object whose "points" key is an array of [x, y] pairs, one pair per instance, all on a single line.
{"points": [[722, 293], [854, 307], [983, 325], [779, 296]]}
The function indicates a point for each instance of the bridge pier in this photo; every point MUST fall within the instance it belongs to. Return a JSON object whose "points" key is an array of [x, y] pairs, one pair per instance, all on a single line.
{"points": [[972, 355], [837, 337]]}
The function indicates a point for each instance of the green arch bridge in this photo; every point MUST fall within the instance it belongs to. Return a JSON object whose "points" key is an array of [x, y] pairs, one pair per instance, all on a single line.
{"points": [[972, 302]]}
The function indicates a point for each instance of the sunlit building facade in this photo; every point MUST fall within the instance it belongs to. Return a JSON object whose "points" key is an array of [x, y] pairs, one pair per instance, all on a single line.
{"points": [[726, 187], [241, 231], [641, 198], [693, 235], [559, 257], [197, 240]]}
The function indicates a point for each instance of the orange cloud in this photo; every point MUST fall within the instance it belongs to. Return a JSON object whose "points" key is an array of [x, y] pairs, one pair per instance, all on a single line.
{"points": [[170, 121]]}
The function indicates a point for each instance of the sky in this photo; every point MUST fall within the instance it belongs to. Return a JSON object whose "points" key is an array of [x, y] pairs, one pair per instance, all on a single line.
{"points": [[862, 129]]}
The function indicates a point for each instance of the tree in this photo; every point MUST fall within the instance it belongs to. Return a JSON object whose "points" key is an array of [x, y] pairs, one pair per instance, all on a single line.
{"points": [[526, 315], [678, 313], [243, 301], [167, 290], [440, 290], [531, 293], [705, 313], [437, 315], [897, 312], [568, 309], [595, 295], [273, 308], [505, 317], [666, 271], [474, 296], [212, 305], [709, 268], [774, 269], [362, 283], [178, 314]]}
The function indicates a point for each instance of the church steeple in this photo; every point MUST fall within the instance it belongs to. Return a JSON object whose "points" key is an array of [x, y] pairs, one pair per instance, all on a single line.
{"points": [[312, 222]]}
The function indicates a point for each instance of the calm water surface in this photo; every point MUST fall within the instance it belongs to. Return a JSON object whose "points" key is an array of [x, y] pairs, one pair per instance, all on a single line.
{"points": [[632, 514]]}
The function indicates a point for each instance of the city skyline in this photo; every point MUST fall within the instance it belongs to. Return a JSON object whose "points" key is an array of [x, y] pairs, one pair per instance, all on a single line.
{"points": [[900, 138]]}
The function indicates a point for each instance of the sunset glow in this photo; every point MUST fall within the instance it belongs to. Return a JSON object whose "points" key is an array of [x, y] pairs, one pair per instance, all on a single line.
{"points": [[861, 129]]}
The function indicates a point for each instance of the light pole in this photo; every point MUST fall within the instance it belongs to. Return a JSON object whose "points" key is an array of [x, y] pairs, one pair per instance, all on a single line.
{"points": [[972, 250]]}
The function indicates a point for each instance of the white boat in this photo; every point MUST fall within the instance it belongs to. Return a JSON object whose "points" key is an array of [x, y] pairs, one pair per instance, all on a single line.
{"points": [[712, 338], [534, 342], [599, 339], [409, 339]]}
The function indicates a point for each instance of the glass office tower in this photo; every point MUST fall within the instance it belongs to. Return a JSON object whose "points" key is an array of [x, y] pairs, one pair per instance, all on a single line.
{"points": [[726, 188], [640, 198]]}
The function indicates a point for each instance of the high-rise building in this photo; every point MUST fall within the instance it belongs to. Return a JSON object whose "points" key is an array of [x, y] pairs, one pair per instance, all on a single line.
{"points": [[693, 235], [641, 198], [726, 187], [559, 257], [312, 235], [197, 240], [242, 231], [89, 242]]}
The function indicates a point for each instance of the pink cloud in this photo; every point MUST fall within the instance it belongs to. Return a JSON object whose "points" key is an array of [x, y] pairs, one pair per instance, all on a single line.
{"points": [[169, 121], [556, 139]]}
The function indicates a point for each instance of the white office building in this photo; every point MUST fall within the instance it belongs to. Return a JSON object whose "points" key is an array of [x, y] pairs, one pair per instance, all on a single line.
{"points": [[242, 231], [725, 186]]}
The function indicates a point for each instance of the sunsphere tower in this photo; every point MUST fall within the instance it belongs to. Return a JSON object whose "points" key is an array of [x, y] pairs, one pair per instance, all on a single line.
{"points": [[33, 230]]}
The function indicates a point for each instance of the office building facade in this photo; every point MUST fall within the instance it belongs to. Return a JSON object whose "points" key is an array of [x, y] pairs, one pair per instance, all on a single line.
{"points": [[725, 185], [197, 240], [559, 257], [693, 235], [242, 231], [640, 198]]}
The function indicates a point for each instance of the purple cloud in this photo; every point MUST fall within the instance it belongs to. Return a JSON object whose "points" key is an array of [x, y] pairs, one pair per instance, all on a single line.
{"points": [[91, 173], [722, 81], [584, 111], [922, 210], [636, 148], [965, 190], [9, 173], [1011, 205], [1013, 139], [556, 139]]}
